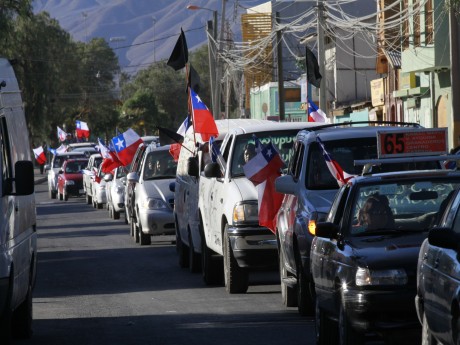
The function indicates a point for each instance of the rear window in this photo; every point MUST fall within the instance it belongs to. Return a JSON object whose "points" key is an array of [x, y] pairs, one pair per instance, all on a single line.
{"points": [[344, 152]]}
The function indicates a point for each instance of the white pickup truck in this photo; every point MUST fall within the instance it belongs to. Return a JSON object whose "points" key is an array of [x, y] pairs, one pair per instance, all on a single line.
{"points": [[228, 205]]}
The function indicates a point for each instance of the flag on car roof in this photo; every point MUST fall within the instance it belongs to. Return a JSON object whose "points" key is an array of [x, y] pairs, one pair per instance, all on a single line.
{"points": [[40, 155], [262, 170], [315, 114], [179, 55], [203, 121], [82, 129], [126, 145], [61, 134], [336, 170]]}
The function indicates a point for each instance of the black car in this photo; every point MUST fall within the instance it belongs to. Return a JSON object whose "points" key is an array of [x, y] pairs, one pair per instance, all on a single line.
{"points": [[364, 257], [438, 279]]}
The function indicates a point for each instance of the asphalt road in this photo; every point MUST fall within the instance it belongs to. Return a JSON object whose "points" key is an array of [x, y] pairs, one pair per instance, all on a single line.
{"points": [[95, 286]]}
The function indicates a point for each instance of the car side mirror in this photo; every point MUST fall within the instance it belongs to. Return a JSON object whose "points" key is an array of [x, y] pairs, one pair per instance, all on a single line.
{"points": [[172, 187], [285, 184], [24, 178], [212, 170], [108, 177], [192, 167], [326, 230], [60, 171], [47, 167], [444, 238], [133, 177]]}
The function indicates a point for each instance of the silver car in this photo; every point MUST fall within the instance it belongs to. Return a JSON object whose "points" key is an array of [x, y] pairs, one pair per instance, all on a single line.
{"points": [[154, 201], [115, 190]]}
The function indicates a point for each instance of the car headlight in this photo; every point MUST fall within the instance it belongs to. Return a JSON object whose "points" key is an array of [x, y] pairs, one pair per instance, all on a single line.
{"points": [[366, 277], [69, 182], [154, 204], [246, 212]]}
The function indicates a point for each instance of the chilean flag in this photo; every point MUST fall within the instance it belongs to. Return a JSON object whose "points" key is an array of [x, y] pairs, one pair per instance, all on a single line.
{"points": [[203, 121], [61, 134], [40, 155], [82, 129], [315, 114], [110, 161], [126, 145], [336, 170], [262, 170]]}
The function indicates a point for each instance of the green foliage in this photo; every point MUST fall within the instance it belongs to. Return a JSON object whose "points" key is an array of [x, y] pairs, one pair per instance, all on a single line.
{"points": [[140, 111]]}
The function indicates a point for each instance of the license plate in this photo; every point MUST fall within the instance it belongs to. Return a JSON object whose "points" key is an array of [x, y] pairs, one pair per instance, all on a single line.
{"points": [[81, 191]]}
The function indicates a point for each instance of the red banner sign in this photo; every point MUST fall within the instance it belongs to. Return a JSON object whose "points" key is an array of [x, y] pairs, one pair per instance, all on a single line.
{"points": [[413, 142]]}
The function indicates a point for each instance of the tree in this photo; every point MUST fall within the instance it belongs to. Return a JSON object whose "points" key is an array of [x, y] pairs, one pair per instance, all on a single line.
{"points": [[141, 112]]}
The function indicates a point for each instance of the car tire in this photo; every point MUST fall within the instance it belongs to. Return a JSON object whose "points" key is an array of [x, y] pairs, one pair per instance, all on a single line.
{"points": [[136, 237], [52, 194], [288, 293], [22, 316], [325, 328], [194, 258], [115, 214], [347, 334], [236, 278], [110, 211], [61, 197], [144, 239], [305, 300], [427, 337], [65, 196], [182, 251], [211, 267], [99, 206], [6, 317]]}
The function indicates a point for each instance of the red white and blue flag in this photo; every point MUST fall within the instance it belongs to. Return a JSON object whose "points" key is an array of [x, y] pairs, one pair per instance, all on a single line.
{"points": [[203, 121], [40, 155], [336, 170], [126, 145], [315, 114], [82, 129], [262, 170], [61, 134]]}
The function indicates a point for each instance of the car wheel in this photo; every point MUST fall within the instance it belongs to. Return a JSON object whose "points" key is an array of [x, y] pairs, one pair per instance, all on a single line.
{"points": [[88, 199], [325, 328], [6, 317], [65, 196], [288, 293], [347, 334], [61, 197], [182, 251], [305, 300], [194, 258], [52, 194], [211, 266], [110, 211], [456, 325], [135, 231], [131, 229], [144, 239], [22, 316], [427, 337], [115, 214], [236, 278]]}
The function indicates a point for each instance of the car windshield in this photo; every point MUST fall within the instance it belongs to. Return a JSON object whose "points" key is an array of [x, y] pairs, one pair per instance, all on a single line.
{"points": [[121, 172], [159, 164], [415, 205], [244, 148], [75, 167]]}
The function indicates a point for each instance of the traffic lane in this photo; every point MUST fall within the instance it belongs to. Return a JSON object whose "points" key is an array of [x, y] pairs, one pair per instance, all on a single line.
{"points": [[95, 286]]}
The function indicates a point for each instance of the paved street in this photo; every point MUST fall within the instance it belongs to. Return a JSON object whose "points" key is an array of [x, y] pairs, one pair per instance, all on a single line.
{"points": [[95, 286]]}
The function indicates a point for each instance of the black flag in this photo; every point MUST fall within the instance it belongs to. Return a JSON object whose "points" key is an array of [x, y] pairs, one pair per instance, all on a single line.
{"points": [[194, 80], [168, 136], [313, 75], [179, 55]]}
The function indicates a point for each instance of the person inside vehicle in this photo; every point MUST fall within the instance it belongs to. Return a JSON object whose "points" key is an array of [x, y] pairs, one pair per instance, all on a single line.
{"points": [[150, 168], [249, 152], [160, 167], [376, 213]]}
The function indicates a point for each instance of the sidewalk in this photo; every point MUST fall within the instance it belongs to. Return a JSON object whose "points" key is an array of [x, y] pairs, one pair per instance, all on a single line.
{"points": [[39, 178]]}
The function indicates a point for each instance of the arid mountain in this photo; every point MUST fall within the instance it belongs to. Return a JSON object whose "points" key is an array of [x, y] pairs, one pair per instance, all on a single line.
{"points": [[141, 30]]}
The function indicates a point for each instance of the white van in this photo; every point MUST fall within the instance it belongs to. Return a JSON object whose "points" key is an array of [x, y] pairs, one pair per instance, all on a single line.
{"points": [[190, 165], [18, 237]]}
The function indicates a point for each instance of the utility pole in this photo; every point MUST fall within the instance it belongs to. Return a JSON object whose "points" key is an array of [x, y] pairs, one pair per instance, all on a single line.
{"points": [[212, 55], [219, 63], [279, 53], [454, 70], [321, 56]]}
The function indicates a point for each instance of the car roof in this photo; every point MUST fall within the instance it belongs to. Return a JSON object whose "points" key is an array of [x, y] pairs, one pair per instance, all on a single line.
{"points": [[400, 175], [75, 160], [152, 147], [70, 153], [337, 132], [271, 126]]}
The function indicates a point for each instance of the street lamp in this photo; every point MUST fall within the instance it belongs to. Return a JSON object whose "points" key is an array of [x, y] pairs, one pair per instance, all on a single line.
{"points": [[213, 61]]}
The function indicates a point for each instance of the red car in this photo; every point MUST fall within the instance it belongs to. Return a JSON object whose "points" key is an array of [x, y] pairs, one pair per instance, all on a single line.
{"points": [[70, 178]]}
